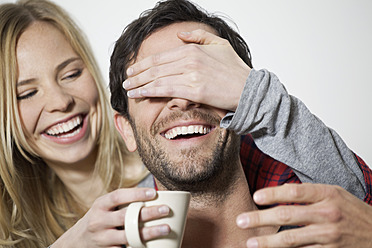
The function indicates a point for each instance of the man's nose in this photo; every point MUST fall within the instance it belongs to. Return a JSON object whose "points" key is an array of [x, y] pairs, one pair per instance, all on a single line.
{"points": [[181, 104]]}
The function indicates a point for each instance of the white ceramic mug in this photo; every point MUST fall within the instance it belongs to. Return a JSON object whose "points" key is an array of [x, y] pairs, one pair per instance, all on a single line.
{"points": [[177, 201]]}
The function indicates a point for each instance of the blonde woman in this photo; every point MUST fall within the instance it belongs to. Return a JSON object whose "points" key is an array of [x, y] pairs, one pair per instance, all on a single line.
{"points": [[63, 167]]}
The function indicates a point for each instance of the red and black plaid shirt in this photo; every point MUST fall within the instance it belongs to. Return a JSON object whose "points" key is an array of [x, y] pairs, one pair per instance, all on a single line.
{"points": [[263, 171]]}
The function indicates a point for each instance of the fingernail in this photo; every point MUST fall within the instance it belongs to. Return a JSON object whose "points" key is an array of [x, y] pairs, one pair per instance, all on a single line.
{"points": [[242, 221], [129, 72], [164, 210], [150, 193], [126, 84], [185, 33], [164, 230], [259, 197], [130, 93], [252, 243]]}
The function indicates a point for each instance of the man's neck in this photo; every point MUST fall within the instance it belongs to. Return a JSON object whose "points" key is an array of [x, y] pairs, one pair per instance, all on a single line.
{"points": [[211, 220]]}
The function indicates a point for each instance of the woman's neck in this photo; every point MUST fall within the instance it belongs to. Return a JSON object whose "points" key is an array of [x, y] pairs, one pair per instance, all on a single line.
{"points": [[80, 179]]}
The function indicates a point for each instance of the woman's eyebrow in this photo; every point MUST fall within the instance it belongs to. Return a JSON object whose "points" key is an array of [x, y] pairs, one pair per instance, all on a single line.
{"points": [[24, 82], [59, 68], [65, 63]]}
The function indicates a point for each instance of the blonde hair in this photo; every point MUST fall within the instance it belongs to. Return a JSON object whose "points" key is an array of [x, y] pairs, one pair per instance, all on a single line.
{"points": [[35, 206]]}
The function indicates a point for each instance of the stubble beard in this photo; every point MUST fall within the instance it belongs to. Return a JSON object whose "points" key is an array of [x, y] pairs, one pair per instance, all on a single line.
{"points": [[208, 174]]}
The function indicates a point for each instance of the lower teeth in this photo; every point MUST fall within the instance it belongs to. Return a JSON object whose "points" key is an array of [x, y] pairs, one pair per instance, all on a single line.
{"points": [[69, 134]]}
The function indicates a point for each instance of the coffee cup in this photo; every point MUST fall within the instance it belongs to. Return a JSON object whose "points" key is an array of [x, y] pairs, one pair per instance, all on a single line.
{"points": [[177, 201]]}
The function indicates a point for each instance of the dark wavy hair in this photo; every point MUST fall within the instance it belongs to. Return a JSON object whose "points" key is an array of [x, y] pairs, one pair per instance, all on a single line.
{"points": [[163, 14]]}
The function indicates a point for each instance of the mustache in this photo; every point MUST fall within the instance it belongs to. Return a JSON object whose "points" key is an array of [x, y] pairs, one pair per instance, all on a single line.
{"points": [[192, 114]]}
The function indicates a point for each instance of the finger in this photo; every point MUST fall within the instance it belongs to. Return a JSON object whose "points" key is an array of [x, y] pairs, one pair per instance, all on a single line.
{"points": [[156, 72], [117, 237], [169, 57], [164, 91], [181, 60], [285, 216], [154, 212], [201, 37], [148, 233], [124, 196], [178, 86], [110, 238], [116, 218], [305, 236], [113, 236], [294, 193], [166, 57]]}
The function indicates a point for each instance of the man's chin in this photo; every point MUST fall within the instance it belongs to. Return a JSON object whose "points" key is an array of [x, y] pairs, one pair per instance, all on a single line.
{"points": [[187, 176]]}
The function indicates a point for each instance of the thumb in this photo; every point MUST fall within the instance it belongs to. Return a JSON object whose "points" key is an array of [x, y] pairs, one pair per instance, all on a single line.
{"points": [[201, 37]]}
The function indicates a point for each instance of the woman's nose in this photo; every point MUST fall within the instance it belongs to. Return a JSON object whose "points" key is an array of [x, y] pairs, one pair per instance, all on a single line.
{"points": [[58, 99]]}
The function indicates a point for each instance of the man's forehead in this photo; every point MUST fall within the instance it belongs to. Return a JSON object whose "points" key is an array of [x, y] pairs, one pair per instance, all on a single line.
{"points": [[166, 38]]}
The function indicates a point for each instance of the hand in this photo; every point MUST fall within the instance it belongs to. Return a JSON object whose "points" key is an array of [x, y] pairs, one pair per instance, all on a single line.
{"points": [[332, 217], [99, 226], [206, 70]]}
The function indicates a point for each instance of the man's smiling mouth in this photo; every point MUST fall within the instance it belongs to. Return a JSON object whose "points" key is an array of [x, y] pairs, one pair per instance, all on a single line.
{"points": [[66, 129], [184, 131]]}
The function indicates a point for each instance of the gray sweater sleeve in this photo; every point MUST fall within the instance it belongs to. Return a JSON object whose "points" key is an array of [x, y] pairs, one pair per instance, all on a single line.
{"points": [[286, 130]]}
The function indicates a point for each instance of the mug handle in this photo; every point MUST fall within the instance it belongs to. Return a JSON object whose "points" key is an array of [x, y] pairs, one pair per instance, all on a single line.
{"points": [[131, 225]]}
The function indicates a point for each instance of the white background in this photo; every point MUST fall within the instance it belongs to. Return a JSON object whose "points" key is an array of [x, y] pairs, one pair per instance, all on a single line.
{"points": [[320, 49]]}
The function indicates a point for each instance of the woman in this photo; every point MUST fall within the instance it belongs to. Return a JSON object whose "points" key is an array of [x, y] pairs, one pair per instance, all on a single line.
{"points": [[59, 149]]}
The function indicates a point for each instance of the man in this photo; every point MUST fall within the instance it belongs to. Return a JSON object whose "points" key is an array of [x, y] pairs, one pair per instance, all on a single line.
{"points": [[206, 162], [182, 144]]}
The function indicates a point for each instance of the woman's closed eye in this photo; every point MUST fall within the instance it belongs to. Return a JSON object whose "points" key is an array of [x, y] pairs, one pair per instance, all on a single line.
{"points": [[72, 75], [26, 95]]}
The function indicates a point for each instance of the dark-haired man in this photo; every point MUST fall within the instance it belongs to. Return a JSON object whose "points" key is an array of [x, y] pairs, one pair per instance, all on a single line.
{"points": [[179, 138]]}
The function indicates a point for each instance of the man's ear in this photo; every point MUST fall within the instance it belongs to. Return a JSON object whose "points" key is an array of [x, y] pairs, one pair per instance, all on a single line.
{"points": [[126, 131]]}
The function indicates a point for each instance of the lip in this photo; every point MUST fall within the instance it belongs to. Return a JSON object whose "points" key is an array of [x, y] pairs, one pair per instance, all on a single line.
{"points": [[74, 138]]}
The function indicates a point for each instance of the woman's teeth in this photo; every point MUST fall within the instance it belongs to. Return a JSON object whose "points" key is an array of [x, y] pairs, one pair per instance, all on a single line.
{"points": [[184, 130], [65, 127]]}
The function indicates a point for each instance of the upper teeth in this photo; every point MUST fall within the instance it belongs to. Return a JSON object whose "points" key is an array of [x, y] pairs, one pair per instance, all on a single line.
{"points": [[65, 126], [174, 132]]}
